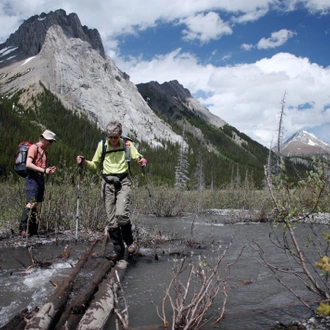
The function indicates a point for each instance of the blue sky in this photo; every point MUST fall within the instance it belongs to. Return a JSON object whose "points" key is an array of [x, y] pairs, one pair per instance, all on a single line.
{"points": [[238, 58]]}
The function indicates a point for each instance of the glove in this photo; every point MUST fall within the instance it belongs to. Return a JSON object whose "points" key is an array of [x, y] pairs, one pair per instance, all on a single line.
{"points": [[142, 162]]}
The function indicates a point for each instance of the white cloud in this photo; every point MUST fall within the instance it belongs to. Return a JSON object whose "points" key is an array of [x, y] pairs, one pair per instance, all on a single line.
{"points": [[313, 6], [226, 57], [321, 6], [172, 66], [248, 96], [116, 17], [205, 27], [8, 25], [251, 16], [247, 46], [277, 39]]}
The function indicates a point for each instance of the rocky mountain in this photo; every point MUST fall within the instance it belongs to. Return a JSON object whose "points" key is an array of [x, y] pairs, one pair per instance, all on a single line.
{"points": [[69, 60], [53, 52], [171, 97], [28, 40], [304, 143]]}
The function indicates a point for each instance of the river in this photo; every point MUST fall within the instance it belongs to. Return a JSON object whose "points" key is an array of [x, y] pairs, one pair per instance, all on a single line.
{"points": [[256, 300]]}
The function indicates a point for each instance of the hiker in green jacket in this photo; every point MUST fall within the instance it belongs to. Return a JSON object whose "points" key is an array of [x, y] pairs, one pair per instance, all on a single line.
{"points": [[113, 157]]}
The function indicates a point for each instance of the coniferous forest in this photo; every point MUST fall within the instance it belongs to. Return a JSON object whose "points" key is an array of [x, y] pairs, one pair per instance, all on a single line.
{"points": [[76, 134]]}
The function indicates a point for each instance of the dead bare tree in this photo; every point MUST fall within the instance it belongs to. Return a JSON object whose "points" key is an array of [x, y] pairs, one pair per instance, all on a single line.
{"points": [[280, 137], [191, 299], [289, 210], [120, 300]]}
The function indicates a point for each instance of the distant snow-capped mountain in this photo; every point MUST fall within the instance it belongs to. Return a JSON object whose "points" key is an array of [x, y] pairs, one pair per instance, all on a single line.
{"points": [[304, 143]]}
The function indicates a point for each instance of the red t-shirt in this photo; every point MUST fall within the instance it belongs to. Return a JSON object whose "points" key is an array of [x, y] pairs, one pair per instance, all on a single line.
{"points": [[38, 156]]}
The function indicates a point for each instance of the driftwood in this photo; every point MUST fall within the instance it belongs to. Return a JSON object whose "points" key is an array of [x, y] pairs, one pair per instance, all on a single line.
{"points": [[91, 287], [65, 253], [104, 301], [98, 295], [50, 311], [104, 242], [18, 322], [77, 307], [35, 262]]}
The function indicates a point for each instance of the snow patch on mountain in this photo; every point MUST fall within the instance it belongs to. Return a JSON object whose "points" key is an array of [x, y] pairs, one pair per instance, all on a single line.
{"points": [[310, 142], [28, 60], [7, 51], [303, 143]]}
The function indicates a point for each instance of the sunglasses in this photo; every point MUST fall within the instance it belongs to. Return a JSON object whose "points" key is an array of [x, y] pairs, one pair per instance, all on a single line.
{"points": [[50, 141]]}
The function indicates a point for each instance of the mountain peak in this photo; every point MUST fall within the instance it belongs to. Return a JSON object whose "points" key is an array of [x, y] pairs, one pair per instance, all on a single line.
{"points": [[29, 39], [85, 82], [304, 143], [165, 98]]}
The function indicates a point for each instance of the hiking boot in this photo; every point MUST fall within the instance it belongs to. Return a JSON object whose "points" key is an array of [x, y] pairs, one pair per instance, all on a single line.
{"points": [[115, 255], [33, 228], [24, 220], [126, 231], [118, 245], [132, 248], [22, 233]]}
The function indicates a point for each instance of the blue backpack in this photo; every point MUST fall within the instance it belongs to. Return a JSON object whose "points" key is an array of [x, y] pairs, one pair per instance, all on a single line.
{"points": [[20, 158]]}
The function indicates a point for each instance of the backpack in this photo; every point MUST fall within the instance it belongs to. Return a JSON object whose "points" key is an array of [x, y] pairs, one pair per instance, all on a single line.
{"points": [[20, 158], [126, 144]]}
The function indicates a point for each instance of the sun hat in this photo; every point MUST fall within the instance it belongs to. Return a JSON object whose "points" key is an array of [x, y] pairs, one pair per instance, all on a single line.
{"points": [[49, 135]]}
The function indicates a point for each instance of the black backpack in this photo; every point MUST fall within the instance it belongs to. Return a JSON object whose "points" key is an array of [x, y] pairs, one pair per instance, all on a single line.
{"points": [[126, 148], [20, 158]]}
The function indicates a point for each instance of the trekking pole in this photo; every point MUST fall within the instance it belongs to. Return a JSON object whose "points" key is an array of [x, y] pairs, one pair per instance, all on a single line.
{"points": [[151, 199], [28, 226], [78, 199]]}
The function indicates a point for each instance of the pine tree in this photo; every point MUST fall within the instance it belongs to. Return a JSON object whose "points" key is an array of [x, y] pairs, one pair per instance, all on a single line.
{"points": [[199, 174], [238, 178], [181, 169]]}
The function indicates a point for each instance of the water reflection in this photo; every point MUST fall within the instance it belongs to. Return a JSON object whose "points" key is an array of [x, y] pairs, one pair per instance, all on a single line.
{"points": [[255, 299]]}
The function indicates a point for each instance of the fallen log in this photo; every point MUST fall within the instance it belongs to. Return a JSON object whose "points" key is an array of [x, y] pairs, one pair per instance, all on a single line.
{"points": [[78, 305], [103, 304], [104, 242], [18, 321], [98, 268], [49, 313]]}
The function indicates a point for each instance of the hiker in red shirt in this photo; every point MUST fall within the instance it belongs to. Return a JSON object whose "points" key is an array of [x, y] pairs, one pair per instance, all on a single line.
{"points": [[35, 182]]}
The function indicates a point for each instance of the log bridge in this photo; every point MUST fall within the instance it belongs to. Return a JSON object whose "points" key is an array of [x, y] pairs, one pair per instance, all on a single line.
{"points": [[80, 303]]}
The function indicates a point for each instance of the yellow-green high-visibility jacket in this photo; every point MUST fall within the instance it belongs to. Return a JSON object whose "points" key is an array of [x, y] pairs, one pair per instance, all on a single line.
{"points": [[114, 161]]}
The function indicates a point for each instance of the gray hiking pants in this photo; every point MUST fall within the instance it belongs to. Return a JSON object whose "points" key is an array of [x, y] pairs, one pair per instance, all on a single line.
{"points": [[116, 196]]}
